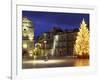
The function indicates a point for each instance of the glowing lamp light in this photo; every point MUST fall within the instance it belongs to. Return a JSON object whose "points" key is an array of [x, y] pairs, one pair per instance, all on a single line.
{"points": [[30, 53], [30, 37], [24, 45], [45, 42]]}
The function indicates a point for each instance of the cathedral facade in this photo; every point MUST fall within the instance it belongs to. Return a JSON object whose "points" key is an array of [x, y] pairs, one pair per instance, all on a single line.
{"points": [[27, 37]]}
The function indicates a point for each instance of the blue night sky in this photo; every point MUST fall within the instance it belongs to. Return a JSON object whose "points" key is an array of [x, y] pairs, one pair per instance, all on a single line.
{"points": [[45, 21]]}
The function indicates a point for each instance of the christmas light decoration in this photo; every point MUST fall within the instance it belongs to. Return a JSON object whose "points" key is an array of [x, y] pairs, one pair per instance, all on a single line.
{"points": [[81, 46], [25, 46]]}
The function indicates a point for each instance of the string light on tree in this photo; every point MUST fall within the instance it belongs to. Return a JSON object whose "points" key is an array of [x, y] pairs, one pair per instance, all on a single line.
{"points": [[81, 47]]}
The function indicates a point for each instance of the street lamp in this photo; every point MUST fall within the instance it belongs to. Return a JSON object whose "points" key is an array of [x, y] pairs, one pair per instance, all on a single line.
{"points": [[25, 45], [30, 53], [45, 47], [35, 52], [45, 50]]}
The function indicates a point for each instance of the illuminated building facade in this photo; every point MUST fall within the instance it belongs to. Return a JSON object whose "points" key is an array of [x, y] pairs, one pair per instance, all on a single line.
{"points": [[27, 37], [59, 42]]}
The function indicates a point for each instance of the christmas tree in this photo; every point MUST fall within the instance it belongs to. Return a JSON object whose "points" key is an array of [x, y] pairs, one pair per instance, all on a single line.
{"points": [[81, 47]]}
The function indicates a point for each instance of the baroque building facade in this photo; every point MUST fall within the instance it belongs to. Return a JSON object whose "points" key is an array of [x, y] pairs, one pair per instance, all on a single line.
{"points": [[58, 42], [27, 36]]}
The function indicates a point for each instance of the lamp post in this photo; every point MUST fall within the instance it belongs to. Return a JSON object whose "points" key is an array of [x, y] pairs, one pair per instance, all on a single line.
{"points": [[45, 54]]}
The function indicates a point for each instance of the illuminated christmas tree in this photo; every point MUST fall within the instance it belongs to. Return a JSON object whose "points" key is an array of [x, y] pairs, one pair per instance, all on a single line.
{"points": [[81, 47]]}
